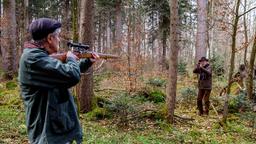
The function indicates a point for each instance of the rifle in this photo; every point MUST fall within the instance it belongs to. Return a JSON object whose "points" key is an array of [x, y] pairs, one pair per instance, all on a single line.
{"points": [[81, 51]]}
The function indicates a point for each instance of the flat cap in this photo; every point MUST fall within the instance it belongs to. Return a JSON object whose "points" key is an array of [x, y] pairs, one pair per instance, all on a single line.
{"points": [[40, 28], [203, 59]]}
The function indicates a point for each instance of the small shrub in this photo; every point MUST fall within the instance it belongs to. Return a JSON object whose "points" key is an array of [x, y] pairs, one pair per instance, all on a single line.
{"points": [[217, 63], [11, 85], [1, 86], [99, 113], [152, 94], [187, 95], [122, 106], [238, 103], [182, 68], [156, 113], [158, 82], [101, 101], [157, 96]]}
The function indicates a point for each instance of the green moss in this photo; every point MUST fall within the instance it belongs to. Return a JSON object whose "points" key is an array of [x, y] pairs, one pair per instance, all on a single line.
{"points": [[98, 113], [157, 96], [11, 85]]}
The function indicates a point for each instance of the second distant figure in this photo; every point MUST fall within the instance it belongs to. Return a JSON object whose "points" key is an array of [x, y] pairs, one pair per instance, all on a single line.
{"points": [[204, 71]]}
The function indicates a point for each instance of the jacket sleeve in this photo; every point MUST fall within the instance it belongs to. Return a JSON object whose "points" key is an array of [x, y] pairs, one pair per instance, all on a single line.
{"points": [[207, 70], [84, 65], [50, 72], [196, 70]]}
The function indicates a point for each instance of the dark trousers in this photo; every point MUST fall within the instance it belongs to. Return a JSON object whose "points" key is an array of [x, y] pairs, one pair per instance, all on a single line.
{"points": [[203, 95]]}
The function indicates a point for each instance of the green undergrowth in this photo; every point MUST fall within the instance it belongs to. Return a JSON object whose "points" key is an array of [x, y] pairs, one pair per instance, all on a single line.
{"points": [[119, 117]]}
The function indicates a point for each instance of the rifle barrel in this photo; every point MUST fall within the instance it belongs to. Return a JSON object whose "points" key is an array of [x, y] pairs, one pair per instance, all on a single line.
{"points": [[62, 56], [102, 56]]}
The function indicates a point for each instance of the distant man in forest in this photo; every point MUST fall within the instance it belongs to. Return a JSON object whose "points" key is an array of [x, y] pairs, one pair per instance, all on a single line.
{"points": [[204, 71], [51, 115]]}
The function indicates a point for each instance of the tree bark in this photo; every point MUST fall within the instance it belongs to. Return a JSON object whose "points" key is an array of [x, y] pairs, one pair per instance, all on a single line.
{"points": [[109, 33], [86, 35], [65, 24], [202, 32], [174, 40], [23, 34], [232, 59], [245, 33], [251, 69], [0, 28], [118, 27], [8, 48], [99, 40], [164, 43], [74, 20], [129, 53]]}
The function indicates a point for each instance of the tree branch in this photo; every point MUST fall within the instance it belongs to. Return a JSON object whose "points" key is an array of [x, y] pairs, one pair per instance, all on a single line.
{"points": [[247, 12]]}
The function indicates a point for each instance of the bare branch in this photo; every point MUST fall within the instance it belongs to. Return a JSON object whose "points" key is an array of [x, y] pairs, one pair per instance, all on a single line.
{"points": [[247, 12]]}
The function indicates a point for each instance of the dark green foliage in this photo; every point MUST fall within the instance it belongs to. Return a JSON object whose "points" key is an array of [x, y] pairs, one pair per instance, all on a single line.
{"points": [[11, 85], [156, 96], [106, 3], [157, 82], [159, 113], [101, 101], [121, 104], [187, 95], [45, 8], [153, 91], [98, 114], [238, 103], [162, 8], [182, 68], [217, 63], [152, 94], [145, 122]]}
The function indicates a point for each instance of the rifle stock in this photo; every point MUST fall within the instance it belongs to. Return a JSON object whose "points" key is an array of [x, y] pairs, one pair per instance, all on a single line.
{"points": [[62, 56]]}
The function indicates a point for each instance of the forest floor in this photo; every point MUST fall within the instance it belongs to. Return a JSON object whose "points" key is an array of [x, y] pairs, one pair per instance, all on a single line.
{"points": [[138, 117]]}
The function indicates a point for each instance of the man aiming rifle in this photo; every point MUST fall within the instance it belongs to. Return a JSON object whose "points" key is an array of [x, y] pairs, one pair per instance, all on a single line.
{"points": [[51, 114], [204, 71]]}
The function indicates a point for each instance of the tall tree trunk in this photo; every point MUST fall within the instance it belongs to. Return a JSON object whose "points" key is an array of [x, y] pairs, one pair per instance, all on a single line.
{"points": [[74, 20], [104, 34], [109, 34], [85, 87], [232, 59], [99, 40], [129, 52], [211, 32], [152, 38], [174, 40], [0, 28], [27, 17], [251, 69], [9, 39], [164, 43], [65, 23], [118, 28], [202, 32], [23, 24], [245, 33]]}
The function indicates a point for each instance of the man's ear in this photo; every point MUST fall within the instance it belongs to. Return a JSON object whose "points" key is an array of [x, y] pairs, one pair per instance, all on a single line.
{"points": [[49, 38]]}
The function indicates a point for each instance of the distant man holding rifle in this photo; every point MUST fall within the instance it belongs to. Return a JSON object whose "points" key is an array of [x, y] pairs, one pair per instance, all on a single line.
{"points": [[51, 115], [204, 71]]}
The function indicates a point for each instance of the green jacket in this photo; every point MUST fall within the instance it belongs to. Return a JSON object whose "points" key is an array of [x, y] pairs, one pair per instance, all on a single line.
{"points": [[51, 114]]}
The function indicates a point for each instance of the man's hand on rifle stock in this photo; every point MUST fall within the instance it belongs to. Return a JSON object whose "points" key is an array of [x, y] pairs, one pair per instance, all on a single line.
{"points": [[70, 54], [95, 57]]}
